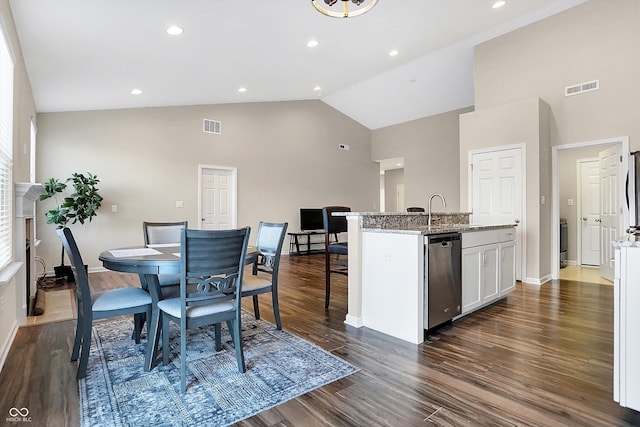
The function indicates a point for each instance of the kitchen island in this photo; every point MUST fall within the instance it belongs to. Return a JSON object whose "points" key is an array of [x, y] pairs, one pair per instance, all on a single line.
{"points": [[387, 268]]}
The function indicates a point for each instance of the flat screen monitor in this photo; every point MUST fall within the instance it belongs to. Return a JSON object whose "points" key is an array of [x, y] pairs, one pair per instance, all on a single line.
{"points": [[311, 219]]}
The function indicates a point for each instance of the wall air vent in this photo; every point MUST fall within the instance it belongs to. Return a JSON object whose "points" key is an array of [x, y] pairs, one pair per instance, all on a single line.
{"points": [[581, 88], [211, 126]]}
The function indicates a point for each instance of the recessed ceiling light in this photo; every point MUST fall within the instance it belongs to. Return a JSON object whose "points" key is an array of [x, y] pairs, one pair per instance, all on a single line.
{"points": [[312, 43], [498, 4], [317, 88], [242, 89], [136, 91], [174, 30], [394, 52]]}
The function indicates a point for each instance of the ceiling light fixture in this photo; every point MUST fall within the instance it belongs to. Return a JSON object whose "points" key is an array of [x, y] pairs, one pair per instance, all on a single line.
{"points": [[358, 8], [242, 89], [136, 91], [394, 52], [312, 43], [174, 30], [498, 4]]}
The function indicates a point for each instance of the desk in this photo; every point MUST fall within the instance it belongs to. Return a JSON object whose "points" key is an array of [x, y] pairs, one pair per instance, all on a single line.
{"points": [[165, 260]]}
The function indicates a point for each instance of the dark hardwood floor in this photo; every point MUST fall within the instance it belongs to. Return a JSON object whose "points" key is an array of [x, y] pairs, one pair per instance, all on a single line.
{"points": [[541, 357]]}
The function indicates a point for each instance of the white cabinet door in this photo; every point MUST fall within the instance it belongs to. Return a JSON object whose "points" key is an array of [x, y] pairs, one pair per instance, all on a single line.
{"points": [[507, 267], [471, 278], [490, 283]]}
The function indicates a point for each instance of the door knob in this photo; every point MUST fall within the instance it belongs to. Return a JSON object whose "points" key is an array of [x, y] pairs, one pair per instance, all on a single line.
{"points": [[584, 218], [517, 221], [598, 220]]}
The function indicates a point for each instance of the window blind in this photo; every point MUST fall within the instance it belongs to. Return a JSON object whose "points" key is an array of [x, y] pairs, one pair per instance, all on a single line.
{"points": [[6, 151]]}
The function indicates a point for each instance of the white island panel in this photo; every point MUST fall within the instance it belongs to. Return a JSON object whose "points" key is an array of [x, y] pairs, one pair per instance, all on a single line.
{"points": [[392, 284]]}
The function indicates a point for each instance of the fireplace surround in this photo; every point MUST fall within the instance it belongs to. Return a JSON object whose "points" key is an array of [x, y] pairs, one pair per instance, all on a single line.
{"points": [[26, 194]]}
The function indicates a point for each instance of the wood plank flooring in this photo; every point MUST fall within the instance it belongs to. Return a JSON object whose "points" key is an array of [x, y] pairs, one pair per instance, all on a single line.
{"points": [[541, 357]]}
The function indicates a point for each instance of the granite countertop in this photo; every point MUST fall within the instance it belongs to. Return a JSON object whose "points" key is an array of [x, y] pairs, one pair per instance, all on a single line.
{"points": [[396, 213], [440, 229]]}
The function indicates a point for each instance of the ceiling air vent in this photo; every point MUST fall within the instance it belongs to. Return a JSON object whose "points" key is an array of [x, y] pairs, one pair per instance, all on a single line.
{"points": [[582, 87], [211, 126]]}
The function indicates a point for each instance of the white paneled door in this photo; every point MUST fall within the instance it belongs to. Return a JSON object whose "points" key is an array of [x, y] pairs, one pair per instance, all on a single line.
{"points": [[590, 212], [497, 192], [218, 198], [610, 207]]}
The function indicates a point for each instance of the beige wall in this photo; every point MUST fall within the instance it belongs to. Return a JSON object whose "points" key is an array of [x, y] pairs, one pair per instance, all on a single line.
{"points": [[524, 122], [147, 159], [430, 147], [599, 39]]}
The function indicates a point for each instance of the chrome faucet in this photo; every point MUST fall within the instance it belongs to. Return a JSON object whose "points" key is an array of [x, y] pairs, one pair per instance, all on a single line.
{"points": [[444, 202]]}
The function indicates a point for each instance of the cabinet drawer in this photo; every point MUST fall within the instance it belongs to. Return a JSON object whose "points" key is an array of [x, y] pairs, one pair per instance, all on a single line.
{"points": [[478, 238], [507, 234]]}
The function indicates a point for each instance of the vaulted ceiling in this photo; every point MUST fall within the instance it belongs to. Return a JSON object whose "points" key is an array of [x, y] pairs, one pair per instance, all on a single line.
{"points": [[90, 54]]}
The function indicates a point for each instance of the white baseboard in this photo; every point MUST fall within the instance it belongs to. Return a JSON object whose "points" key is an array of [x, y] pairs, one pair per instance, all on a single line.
{"points": [[354, 321], [537, 281], [7, 345]]}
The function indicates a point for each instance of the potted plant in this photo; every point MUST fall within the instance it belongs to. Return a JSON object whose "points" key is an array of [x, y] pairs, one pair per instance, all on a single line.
{"points": [[80, 206]]}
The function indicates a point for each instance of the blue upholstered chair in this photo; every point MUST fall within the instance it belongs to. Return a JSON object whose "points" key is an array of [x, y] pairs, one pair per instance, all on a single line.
{"points": [[100, 305], [212, 261], [265, 279], [334, 225]]}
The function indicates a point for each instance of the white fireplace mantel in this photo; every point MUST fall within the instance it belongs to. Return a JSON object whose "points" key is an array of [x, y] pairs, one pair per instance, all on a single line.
{"points": [[26, 195]]}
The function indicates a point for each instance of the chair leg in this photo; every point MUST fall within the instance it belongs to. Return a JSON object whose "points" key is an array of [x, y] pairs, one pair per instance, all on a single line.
{"points": [[256, 307], [276, 309], [137, 327], [183, 357], [78, 339], [327, 280], [218, 331], [237, 343], [86, 347], [165, 339], [153, 337], [139, 320]]}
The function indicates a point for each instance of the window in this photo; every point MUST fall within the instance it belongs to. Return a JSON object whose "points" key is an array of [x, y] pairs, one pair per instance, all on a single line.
{"points": [[6, 151]]}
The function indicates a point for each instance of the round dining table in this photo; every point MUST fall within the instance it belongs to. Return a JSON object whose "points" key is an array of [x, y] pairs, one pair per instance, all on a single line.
{"points": [[149, 262]]}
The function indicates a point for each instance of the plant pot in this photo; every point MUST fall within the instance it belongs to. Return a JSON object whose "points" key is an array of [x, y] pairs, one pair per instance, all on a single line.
{"points": [[64, 272]]}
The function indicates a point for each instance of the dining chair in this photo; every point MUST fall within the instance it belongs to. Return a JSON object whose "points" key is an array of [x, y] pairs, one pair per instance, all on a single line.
{"points": [[99, 305], [213, 261], [334, 225], [163, 234], [265, 278]]}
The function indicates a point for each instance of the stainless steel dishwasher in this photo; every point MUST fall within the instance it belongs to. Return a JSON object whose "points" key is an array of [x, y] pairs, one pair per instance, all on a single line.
{"points": [[443, 278]]}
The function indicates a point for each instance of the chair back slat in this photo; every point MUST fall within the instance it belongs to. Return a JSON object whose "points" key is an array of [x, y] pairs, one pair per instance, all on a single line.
{"points": [[214, 260], [77, 265], [162, 233], [269, 243], [334, 224]]}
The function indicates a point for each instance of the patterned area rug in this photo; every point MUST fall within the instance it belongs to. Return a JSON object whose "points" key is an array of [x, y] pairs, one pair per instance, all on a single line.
{"points": [[280, 367]]}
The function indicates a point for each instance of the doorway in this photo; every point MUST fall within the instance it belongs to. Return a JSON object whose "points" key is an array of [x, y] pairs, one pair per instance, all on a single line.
{"points": [[588, 218], [564, 181], [217, 201]]}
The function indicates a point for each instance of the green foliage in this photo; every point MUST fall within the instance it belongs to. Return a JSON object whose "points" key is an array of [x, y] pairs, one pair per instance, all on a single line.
{"points": [[80, 206]]}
